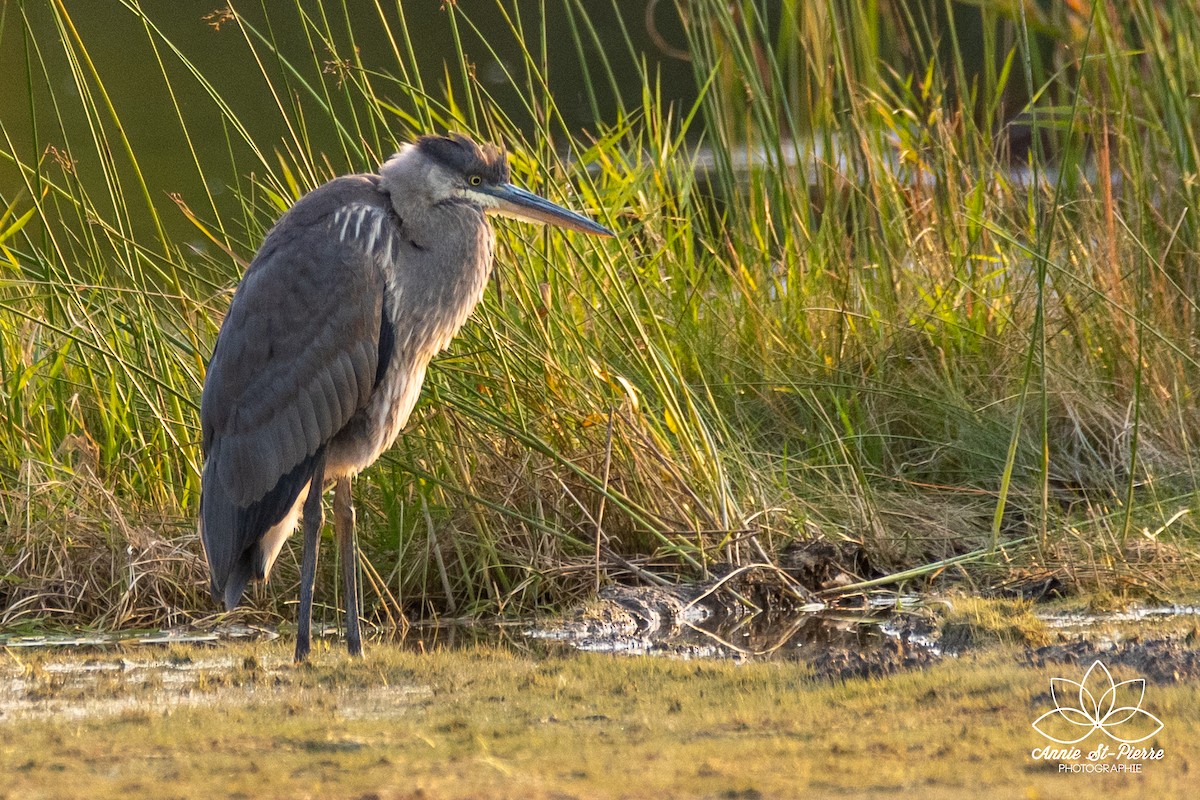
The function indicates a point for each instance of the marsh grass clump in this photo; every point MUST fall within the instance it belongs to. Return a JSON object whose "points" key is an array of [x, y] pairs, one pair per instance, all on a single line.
{"points": [[936, 299], [974, 622], [84, 555]]}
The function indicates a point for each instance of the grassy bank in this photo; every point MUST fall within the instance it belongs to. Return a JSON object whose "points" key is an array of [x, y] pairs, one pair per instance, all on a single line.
{"points": [[900, 326], [493, 722]]}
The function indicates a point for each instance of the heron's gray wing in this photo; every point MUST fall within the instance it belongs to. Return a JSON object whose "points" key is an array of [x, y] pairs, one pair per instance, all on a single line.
{"points": [[296, 357]]}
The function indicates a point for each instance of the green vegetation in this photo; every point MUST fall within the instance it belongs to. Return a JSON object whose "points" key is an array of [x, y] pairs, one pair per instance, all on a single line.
{"points": [[901, 329], [491, 722], [970, 623]]}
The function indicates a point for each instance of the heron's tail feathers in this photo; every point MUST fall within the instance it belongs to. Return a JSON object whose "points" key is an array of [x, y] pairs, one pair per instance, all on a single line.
{"points": [[229, 567], [241, 542], [235, 585]]}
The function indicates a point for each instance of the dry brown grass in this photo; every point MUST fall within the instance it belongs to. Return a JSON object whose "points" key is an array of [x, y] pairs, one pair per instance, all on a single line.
{"points": [[77, 556]]}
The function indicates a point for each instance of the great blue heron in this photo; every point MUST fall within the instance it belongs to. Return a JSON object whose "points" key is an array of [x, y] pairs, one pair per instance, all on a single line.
{"points": [[320, 359]]}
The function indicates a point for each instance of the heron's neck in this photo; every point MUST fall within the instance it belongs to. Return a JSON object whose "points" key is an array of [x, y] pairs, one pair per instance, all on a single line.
{"points": [[411, 184]]}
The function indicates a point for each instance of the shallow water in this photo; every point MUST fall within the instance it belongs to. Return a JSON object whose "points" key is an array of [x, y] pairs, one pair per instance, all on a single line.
{"points": [[691, 632], [871, 636], [1084, 621]]}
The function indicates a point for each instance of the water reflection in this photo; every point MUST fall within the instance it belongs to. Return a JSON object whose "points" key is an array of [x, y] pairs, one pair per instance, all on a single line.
{"points": [[868, 638]]}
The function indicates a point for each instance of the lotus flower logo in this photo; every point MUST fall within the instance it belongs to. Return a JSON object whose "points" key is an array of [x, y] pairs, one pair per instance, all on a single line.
{"points": [[1097, 703]]}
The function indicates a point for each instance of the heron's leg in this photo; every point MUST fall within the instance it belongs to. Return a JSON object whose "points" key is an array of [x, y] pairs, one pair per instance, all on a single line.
{"points": [[314, 517], [343, 523]]}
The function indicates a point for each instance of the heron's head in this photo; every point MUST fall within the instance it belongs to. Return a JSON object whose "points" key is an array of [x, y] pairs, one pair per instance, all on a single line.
{"points": [[456, 168]]}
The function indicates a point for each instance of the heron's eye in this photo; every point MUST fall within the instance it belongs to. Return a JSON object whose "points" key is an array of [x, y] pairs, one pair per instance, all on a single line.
{"points": [[475, 180]]}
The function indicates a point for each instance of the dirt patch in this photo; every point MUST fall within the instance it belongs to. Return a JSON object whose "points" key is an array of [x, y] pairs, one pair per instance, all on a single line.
{"points": [[902, 644], [1161, 661]]}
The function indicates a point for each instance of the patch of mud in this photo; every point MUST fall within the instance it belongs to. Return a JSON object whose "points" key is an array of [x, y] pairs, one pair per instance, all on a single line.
{"points": [[1167, 660], [1161, 643], [894, 644]]}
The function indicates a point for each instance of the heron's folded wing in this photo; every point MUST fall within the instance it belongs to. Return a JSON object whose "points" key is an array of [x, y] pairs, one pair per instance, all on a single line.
{"points": [[296, 358]]}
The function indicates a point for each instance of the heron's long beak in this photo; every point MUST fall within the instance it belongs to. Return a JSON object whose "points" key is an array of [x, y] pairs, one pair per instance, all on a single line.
{"points": [[513, 201]]}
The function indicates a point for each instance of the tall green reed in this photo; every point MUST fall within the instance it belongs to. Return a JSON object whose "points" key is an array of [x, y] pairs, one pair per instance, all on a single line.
{"points": [[844, 302]]}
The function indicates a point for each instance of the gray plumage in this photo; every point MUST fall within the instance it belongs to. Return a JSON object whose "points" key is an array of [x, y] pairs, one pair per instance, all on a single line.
{"points": [[321, 356]]}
